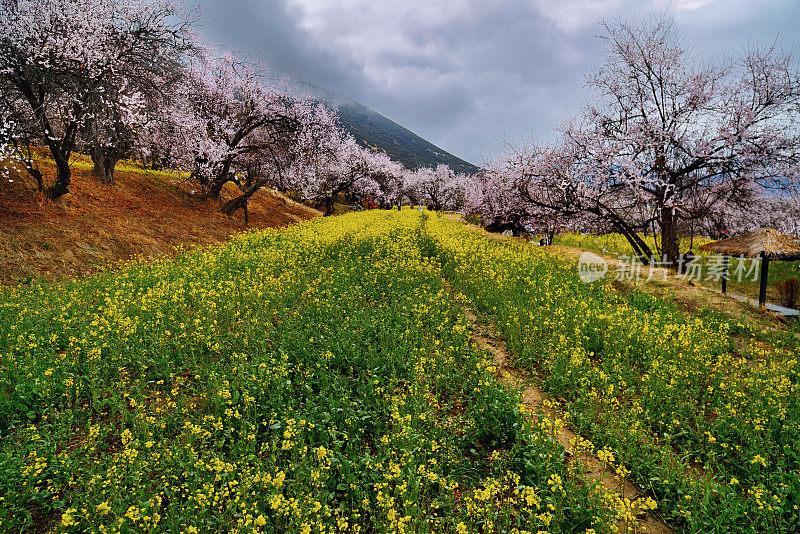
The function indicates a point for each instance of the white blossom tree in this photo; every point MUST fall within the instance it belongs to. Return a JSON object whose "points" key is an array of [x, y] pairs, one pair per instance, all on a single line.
{"points": [[439, 188], [529, 188], [666, 131], [337, 164], [273, 163], [62, 62], [383, 181], [232, 112], [668, 124]]}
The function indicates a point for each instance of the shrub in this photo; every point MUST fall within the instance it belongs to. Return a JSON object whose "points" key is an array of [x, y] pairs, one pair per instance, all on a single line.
{"points": [[474, 218]]}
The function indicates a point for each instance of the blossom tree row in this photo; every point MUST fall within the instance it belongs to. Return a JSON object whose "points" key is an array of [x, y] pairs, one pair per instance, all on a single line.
{"points": [[80, 72], [127, 79], [439, 188]]}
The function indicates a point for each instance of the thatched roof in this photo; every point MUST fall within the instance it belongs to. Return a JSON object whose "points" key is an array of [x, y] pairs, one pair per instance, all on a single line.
{"points": [[772, 243]]}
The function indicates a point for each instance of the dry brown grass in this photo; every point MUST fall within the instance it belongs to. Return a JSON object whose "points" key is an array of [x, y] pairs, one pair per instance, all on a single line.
{"points": [[96, 225]]}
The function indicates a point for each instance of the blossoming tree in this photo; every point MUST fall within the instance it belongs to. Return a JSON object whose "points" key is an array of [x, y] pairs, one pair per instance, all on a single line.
{"points": [[667, 124], [440, 187], [335, 163], [232, 111], [665, 130], [65, 62]]}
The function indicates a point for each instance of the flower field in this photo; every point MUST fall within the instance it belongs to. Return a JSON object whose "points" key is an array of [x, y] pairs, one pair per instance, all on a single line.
{"points": [[313, 379], [321, 378], [702, 412], [744, 283]]}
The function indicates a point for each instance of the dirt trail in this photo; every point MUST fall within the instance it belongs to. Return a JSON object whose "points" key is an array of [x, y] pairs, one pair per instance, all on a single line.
{"points": [[537, 400]]}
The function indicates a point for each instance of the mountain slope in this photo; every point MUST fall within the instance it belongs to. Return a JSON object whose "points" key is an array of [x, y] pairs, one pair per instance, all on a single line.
{"points": [[371, 129]]}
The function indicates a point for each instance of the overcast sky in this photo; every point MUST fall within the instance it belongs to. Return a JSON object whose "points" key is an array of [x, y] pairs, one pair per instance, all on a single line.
{"points": [[466, 74]]}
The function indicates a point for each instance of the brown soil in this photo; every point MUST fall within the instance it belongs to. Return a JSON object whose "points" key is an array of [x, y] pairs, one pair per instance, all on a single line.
{"points": [[96, 226]]}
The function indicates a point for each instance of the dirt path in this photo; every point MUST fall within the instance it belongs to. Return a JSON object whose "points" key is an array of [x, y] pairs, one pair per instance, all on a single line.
{"points": [[538, 401]]}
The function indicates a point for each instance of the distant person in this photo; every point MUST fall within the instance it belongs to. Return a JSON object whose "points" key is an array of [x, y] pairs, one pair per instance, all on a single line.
{"points": [[541, 242], [398, 205]]}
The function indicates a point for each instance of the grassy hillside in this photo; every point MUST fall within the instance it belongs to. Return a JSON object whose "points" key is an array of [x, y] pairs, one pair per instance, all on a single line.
{"points": [[145, 213], [371, 129]]}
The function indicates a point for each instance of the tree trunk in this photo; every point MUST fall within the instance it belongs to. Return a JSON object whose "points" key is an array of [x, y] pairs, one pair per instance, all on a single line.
{"points": [[240, 202], [109, 164], [36, 174], [215, 189], [97, 160], [670, 246], [640, 248], [221, 178], [638, 245], [156, 160], [63, 177], [328, 206], [105, 160]]}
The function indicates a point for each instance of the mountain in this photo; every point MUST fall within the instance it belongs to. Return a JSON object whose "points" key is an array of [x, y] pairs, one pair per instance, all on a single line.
{"points": [[373, 130]]}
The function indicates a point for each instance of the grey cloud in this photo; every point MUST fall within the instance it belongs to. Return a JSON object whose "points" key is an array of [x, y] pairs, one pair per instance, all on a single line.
{"points": [[507, 68], [270, 29]]}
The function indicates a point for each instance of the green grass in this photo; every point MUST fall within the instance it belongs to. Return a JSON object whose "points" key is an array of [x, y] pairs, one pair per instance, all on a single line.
{"points": [[321, 378]]}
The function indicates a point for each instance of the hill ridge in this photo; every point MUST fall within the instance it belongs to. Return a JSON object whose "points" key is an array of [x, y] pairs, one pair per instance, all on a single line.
{"points": [[378, 132]]}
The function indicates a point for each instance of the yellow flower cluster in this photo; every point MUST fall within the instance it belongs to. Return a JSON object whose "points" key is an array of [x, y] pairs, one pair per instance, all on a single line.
{"points": [[680, 403], [317, 379]]}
